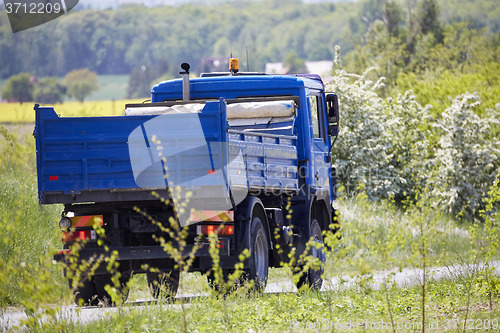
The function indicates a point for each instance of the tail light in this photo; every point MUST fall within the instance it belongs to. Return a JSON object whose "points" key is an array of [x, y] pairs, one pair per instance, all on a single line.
{"points": [[219, 229], [81, 235]]}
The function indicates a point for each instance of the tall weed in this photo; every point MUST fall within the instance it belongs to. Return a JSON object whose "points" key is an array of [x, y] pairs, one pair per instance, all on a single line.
{"points": [[28, 232]]}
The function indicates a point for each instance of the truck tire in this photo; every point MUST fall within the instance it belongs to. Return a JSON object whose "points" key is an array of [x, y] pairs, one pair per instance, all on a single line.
{"points": [[218, 286], [163, 285], [259, 255], [312, 278], [85, 293], [101, 281]]}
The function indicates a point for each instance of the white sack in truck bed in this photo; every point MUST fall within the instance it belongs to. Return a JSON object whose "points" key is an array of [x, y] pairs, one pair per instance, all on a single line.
{"points": [[247, 110], [274, 109], [157, 110]]}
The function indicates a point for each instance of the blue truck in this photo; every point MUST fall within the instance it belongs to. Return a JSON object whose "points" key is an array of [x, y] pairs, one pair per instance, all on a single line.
{"points": [[246, 156]]}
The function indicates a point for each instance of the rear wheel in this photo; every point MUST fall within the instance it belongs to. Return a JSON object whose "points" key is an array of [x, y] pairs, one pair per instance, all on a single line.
{"points": [[163, 285], [122, 290], [85, 293], [91, 291], [259, 255], [313, 277]]}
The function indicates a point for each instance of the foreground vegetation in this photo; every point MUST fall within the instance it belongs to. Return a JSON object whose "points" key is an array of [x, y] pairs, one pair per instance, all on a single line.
{"points": [[378, 237], [356, 310]]}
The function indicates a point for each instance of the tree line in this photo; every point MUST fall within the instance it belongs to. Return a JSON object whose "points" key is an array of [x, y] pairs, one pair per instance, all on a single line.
{"points": [[132, 37]]}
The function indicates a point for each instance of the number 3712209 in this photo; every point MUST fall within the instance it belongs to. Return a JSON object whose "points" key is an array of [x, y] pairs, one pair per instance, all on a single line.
{"points": [[33, 8], [471, 324]]}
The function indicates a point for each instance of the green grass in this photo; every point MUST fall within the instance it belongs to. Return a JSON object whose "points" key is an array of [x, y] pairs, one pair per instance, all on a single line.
{"points": [[376, 236], [343, 310], [28, 232], [368, 223]]}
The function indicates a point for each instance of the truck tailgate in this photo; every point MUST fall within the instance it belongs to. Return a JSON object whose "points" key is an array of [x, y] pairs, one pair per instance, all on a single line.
{"points": [[81, 159]]}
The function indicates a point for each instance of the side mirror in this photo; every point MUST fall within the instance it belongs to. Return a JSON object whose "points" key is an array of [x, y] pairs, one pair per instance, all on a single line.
{"points": [[332, 103], [333, 129]]}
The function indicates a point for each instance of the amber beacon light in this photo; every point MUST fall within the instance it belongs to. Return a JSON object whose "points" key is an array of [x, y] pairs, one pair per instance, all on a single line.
{"points": [[234, 65]]}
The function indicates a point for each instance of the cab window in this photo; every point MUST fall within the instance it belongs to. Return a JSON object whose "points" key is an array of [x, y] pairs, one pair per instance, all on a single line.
{"points": [[313, 104], [317, 116]]}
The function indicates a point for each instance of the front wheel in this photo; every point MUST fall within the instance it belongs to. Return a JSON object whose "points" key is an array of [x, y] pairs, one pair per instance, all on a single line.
{"points": [[259, 255], [312, 277]]}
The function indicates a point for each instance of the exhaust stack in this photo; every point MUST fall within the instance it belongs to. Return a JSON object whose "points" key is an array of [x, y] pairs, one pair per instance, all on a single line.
{"points": [[185, 82]]}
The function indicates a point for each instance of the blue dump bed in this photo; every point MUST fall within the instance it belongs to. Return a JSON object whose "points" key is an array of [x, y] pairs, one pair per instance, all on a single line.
{"points": [[124, 158]]}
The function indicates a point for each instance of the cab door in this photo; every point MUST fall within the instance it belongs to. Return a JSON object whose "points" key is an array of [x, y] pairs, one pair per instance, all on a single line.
{"points": [[321, 164]]}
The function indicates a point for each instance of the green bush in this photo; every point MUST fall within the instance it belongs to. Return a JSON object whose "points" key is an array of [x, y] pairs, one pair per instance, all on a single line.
{"points": [[360, 153], [467, 159], [383, 145]]}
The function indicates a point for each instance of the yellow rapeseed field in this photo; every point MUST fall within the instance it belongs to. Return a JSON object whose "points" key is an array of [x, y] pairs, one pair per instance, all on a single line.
{"points": [[24, 113]]}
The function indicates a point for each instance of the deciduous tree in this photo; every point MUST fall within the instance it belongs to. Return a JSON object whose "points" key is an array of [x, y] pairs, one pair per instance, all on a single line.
{"points": [[19, 88], [49, 91], [80, 83]]}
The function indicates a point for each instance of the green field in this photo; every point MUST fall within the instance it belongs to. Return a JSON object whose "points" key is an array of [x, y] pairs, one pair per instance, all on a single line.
{"points": [[24, 113], [111, 87]]}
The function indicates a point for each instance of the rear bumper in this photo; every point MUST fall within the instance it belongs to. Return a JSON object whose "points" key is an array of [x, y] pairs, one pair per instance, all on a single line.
{"points": [[132, 258], [143, 252]]}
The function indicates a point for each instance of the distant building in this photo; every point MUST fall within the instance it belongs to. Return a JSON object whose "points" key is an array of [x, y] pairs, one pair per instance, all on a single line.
{"points": [[214, 64], [276, 68], [322, 68]]}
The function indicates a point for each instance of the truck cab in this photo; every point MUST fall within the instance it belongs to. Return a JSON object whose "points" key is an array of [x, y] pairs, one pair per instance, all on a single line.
{"points": [[311, 125]]}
